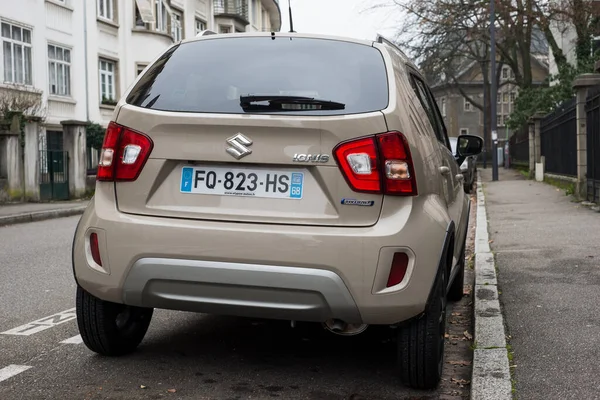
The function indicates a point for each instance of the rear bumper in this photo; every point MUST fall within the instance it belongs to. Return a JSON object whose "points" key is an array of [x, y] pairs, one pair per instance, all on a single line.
{"points": [[264, 291], [299, 273]]}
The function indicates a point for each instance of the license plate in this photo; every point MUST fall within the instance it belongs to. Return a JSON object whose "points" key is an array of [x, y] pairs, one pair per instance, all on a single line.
{"points": [[242, 182]]}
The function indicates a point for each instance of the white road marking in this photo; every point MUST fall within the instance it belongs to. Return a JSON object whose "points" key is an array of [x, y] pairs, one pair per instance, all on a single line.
{"points": [[74, 340], [42, 324], [12, 370]]}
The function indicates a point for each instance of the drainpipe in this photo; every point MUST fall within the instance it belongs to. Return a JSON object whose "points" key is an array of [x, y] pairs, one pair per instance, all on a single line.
{"points": [[85, 50]]}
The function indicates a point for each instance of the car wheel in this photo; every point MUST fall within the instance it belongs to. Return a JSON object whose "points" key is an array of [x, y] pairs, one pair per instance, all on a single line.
{"points": [[108, 328], [456, 291], [421, 342], [468, 187]]}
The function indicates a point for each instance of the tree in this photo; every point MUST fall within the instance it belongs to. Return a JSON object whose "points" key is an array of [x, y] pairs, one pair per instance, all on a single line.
{"points": [[94, 135]]}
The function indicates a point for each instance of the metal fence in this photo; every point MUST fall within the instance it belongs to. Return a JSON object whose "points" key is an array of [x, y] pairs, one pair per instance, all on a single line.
{"points": [[518, 147], [593, 144], [558, 132]]}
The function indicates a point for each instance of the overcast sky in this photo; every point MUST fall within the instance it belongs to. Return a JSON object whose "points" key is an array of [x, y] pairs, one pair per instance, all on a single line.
{"points": [[340, 17]]}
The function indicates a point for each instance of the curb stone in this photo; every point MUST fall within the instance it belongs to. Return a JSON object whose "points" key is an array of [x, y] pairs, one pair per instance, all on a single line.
{"points": [[491, 373], [41, 215]]}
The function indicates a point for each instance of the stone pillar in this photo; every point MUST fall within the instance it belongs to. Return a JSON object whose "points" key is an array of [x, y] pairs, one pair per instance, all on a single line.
{"points": [[14, 162], [74, 142], [32, 160], [535, 142], [531, 147], [538, 137], [581, 85]]}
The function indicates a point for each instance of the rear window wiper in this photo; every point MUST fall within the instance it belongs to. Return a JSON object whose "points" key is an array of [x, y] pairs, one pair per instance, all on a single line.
{"points": [[287, 103]]}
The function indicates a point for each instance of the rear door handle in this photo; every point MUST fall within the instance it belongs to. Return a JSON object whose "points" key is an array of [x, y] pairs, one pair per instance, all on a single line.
{"points": [[444, 170]]}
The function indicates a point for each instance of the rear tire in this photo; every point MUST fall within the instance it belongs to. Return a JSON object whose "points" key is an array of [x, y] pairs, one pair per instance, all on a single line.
{"points": [[456, 291], [421, 342], [110, 329], [468, 187]]}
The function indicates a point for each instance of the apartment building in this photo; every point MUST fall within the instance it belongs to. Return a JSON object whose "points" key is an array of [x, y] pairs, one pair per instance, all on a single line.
{"points": [[75, 58], [81, 55]]}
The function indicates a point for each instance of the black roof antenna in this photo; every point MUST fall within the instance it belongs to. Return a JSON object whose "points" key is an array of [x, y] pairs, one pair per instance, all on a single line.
{"points": [[291, 18]]}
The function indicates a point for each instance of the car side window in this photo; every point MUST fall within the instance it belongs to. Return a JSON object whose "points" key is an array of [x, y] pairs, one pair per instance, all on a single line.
{"points": [[422, 94], [438, 116]]}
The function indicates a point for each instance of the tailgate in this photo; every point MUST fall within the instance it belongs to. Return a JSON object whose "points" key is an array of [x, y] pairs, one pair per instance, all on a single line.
{"points": [[191, 174]]}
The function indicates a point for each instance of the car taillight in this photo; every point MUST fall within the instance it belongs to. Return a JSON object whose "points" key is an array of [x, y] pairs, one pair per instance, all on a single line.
{"points": [[123, 155], [378, 164]]}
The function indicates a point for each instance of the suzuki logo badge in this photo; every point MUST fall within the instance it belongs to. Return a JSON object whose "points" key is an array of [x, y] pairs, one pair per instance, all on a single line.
{"points": [[238, 147]]}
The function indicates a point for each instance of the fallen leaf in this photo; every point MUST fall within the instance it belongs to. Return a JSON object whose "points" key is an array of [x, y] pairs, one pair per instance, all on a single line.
{"points": [[468, 335], [456, 314], [459, 362], [143, 387], [171, 390], [446, 336], [491, 241], [466, 291], [460, 381]]}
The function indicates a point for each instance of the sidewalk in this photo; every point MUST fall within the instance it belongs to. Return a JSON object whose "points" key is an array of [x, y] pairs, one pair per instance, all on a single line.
{"points": [[548, 258], [28, 212]]}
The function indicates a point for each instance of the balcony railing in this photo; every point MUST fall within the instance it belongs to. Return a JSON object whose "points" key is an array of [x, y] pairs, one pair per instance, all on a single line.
{"points": [[231, 8]]}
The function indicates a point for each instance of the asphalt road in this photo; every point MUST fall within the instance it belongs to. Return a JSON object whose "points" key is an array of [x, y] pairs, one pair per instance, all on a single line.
{"points": [[548, 262], [184, 355]]}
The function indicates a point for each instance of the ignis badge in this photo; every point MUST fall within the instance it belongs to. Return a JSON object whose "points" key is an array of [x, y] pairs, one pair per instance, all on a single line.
{"points": [[354, 202]]}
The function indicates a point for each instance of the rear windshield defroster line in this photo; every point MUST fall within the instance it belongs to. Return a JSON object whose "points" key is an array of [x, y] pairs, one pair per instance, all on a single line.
{"points": [[209, 76]]}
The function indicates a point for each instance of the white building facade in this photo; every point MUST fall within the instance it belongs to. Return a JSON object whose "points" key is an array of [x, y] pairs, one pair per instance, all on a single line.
{"points": [[76, 58], [81, 55]]}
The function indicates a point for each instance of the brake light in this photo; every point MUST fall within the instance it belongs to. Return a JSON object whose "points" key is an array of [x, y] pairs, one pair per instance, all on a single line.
{"points": [[378, 164], [123, 155]]}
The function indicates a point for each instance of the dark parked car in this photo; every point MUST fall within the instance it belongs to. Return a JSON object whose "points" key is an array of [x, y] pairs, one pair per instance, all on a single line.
{"points": [[468, 167]]}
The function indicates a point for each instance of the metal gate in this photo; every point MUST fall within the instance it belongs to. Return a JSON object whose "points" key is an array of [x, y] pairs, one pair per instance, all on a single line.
{"points": [[54, 175]]}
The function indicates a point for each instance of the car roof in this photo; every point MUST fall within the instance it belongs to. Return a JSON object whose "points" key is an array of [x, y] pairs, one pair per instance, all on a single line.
{"points": [[279, 35]]}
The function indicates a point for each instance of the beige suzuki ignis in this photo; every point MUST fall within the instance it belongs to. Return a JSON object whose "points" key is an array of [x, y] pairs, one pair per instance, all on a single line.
{"points": [[280, 176]]}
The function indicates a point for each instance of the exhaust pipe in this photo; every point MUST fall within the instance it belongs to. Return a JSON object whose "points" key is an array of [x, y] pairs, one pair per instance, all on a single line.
{"points": [[342, 328]]}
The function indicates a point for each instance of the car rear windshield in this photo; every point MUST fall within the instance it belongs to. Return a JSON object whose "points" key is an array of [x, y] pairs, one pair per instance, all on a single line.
{"points": [[211, 75]]}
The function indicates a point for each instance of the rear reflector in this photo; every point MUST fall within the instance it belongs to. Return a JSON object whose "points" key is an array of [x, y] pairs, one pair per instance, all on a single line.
{"points": [[95, 249], [124, 153], [398, 270], [378, 164]]}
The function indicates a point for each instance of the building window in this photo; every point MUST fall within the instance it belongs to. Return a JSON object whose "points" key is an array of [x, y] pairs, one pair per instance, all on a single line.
{"points": [[443, 105], [224, 29], [200, 26], [177, 26], [468, 106], [16, 54], [464, 131], [513, 96], [505, 73], [108, 91], [505, 98], [105, 9], [59, 70], [161, 15], [139, 68]]}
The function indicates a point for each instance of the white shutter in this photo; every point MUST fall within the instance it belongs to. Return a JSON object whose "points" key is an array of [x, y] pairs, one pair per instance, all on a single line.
{"points": [[145, 8]]}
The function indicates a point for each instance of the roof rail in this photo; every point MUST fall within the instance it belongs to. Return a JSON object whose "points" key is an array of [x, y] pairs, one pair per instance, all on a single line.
{"points": [[206, 33], [384, 40]]}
